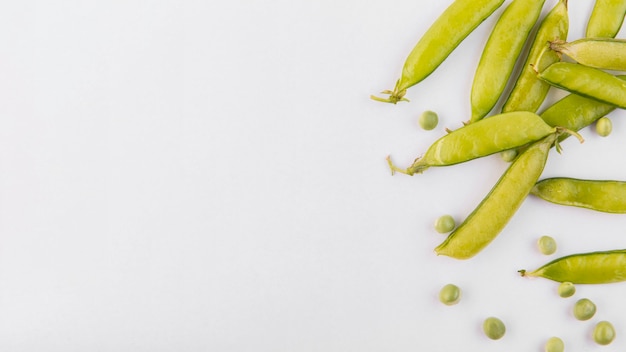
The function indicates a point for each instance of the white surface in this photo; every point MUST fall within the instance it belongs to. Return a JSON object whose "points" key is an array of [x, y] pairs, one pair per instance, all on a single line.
{"points": [[210, 176]]}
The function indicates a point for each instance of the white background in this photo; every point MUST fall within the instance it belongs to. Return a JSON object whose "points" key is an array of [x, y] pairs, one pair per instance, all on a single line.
{"points": [[210, 176]]}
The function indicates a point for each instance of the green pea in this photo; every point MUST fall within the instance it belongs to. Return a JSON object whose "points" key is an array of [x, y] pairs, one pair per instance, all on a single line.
{"points": [[585, 268], [450, 294], [547, 245], [494, 328], [584, 309], [443, 36], [604, 126], [485, 137], [498, 207], [566, 289], [529, 92], [604, 53], [496, 65], [586, 81], [605, 195], [428, 120], [509, 155], [604, 333], [554, 344], [444, 224], [606, 18]]}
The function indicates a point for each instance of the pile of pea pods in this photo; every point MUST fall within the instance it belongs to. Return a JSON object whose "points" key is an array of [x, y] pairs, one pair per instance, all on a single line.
{"points": [[524, 136]]}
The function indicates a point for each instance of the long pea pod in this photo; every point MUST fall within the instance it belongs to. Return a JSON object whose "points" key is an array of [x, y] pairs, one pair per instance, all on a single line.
{"points": [[443, 36], [482, 138], [601, 195], [603, 53], [586, 81], [500, 54], [606, 18], [493, 213], [584, 268], [529, 92]]}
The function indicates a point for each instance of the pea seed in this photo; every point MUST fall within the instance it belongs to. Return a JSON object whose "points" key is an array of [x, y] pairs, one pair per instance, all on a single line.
{"points": [[603, 333], [547, 245], [554, 344], [508, 155], [428, 120], [604, 126], [450, 294], [444, 224], [566, 289], [494, 328], [584, 309]]}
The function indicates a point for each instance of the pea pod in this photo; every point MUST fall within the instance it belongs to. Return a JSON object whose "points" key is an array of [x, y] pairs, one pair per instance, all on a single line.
{"points": [[485, 137], [500, 54], [604, 53], [606, 18], [498, 207], [529, 92], [585, 268], [606, 196], [586, 81], [443, 36]]}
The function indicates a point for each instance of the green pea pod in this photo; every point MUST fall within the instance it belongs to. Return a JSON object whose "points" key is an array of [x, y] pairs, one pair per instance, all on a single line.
{"points": [[606, 18], [586, 81], [498, 207], [443, 36], [585, 268], [529, 92], [485, 137], [501, 52], [604, 53], [606, 196]]}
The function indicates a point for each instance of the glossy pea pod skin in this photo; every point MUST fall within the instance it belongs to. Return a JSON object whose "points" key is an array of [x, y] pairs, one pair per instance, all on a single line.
{"points": [[500, 54], [606, 196], [603, 53], [529, 92], [443, 36], [586, 81], [585, 268], [498, 207], [606, 18], [485, 137]]}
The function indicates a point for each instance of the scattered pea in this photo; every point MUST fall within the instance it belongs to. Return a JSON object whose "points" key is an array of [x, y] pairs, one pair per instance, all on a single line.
{"points": [[554, 344], [604, 126], [547, 245], [494, 328], [450, 294], [603, 333], [567, 289], [508, 155], [445, 224], [584, 309], [428, 120]]}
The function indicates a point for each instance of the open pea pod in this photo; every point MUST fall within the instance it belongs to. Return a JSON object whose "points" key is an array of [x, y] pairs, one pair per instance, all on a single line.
{"points": [[601, 195], [603, 53], [584, 268], [484, 137]]}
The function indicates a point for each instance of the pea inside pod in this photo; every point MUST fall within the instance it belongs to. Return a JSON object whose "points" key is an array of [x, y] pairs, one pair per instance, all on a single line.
{"points": [[443, 36], [600, 195], [585, 268], [604, 53]]}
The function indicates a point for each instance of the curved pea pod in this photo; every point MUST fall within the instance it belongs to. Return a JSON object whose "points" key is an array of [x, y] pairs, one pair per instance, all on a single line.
{"points": [[585, 268], [498, 207], [529, 92], [604, 53], [482, 138], [443, 36], [606, 18], [607, 196], [586, 81], [500, 54]]}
